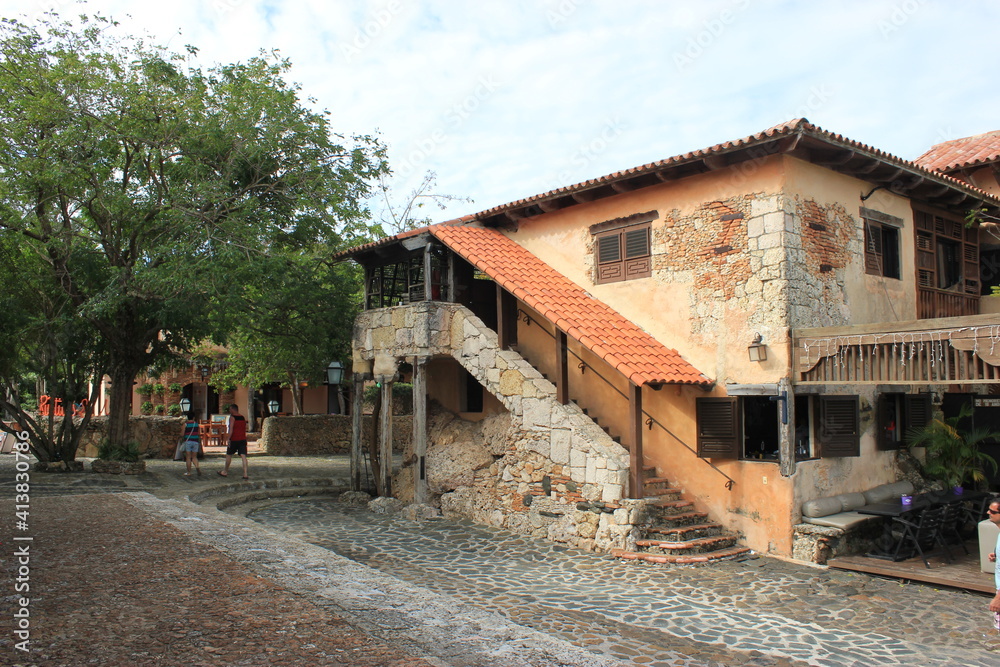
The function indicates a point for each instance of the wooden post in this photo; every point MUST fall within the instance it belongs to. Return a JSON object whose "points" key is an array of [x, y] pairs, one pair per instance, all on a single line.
{"points": [[786, 431], [356, 416], [635, 474], [420, 429], [562, 374], [385, 439], [451, 276], [506, 318], [428, 288]]}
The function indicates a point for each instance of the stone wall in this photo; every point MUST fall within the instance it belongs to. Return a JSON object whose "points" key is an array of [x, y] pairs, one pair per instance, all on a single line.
{"points": [[542, 468], [311, 435], [157, 436]]}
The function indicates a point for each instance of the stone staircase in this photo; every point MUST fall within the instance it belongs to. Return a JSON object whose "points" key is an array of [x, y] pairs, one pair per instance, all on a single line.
{"points": [[678, 534]]}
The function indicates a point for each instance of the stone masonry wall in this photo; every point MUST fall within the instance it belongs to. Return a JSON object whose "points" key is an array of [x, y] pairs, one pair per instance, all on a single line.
{"points": [[311, 435], [548, 470]]}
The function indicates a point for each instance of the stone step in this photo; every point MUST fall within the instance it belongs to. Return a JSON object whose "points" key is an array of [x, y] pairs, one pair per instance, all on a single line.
{"points": [[670, 507], [654, 481], [658, 494], [681, 533], [693, 546], [731, 553], [680, 519]]}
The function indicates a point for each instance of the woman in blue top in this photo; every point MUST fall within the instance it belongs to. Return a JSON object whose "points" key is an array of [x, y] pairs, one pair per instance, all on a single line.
{"points": [[192, 444]]}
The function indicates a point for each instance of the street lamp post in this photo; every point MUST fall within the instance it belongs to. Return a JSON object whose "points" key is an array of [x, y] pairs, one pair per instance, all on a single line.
{"points": [[334, 376]]}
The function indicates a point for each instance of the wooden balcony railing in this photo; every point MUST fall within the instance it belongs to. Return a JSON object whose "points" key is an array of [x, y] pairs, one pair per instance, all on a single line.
{"points": [[955, 350], [933, 303]]}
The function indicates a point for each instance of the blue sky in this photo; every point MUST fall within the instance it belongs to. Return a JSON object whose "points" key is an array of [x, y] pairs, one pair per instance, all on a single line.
{"points": [[506, 99]]}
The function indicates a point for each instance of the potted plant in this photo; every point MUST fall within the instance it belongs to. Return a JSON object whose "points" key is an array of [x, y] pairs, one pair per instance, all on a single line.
{"points": [[118, 459], [176, 387], [159, 389], [159, 409], [146, 407], [174, 410], [952, 452], [144, 389]]}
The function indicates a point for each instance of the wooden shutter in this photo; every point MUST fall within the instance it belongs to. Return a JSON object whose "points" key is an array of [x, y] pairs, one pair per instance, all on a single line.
{"points": [[839, 426], [918, 412], [637, 264], [610, 267], [719, 431], [873, 248]]}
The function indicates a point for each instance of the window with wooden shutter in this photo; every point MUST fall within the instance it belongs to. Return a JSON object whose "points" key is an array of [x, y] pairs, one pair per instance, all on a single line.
{"points": [[918, 412], [881, 243], [839, 428], [719, 430], [623, 253], [947, 265]]}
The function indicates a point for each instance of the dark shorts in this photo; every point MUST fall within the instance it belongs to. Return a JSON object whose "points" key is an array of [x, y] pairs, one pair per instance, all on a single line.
{"points": [[237, 447]]}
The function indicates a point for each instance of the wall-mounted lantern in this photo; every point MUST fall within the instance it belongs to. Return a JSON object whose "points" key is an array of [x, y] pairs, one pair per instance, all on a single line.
{"points": [[204, 372], [334, 372], [185, 404], [273, 406], [757, 349]]}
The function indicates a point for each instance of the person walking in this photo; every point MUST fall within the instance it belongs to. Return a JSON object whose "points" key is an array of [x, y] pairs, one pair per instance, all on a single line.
{"points": [[236, 436], [993, 514], [192, 444]]}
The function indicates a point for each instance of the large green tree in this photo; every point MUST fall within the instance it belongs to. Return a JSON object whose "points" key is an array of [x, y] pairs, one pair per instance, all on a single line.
{"points": [[149, 187]]}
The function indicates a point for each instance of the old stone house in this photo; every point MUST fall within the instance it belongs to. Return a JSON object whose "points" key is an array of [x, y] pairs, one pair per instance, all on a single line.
{"points": [[713, 338]]}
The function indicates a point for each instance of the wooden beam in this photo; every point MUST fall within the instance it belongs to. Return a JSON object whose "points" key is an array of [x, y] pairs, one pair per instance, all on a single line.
{"points": [[428, 288], [385, 439], [420, 429], [357, 413], [635, 474], [562, 373], [506, 319]]}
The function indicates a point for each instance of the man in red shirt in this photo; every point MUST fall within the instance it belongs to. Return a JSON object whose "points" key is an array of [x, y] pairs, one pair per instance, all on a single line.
{"points": [[236, 435]]}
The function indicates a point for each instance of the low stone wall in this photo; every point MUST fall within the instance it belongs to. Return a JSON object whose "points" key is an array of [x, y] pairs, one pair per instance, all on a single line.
{"points": [[312, 435], [157, 436], [818, 544]]}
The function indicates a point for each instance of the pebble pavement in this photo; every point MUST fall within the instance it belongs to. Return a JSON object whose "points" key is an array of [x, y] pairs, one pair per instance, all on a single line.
{"points": [[452, 593]]}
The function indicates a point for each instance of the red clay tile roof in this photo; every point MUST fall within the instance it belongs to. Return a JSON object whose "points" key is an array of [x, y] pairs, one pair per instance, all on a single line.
{"points": [[958, 153], [797, 126], [629, 349]]}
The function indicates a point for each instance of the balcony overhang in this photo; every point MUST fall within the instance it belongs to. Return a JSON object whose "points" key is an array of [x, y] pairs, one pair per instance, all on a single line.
{"points": [[952, 350]]}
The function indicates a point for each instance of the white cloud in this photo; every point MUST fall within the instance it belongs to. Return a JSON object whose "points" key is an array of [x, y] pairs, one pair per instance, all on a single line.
{"points": [[506, 99]]}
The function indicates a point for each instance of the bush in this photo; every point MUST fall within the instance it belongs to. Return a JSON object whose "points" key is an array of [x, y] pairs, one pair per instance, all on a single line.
{"points": [[160, 409], [146, 407], [159, 389], [127, 452], [144, 389], [174, 410], [176, 387]]}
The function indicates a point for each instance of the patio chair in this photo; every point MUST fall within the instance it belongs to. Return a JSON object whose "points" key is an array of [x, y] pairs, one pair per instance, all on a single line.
{"points": [[922, 533], [952, 521]]}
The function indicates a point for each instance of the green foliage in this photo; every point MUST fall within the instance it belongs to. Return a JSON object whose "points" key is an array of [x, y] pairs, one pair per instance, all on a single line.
{"points": [[147, 202], [159, 409], [402, 396], [174, 410], [159, 389], [176, 388], [953, 454], [144, 389], [146, 407], [127, 451]]}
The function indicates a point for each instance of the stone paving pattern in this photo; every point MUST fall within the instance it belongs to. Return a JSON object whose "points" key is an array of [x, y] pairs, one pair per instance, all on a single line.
{"points": [[726, 613], [151, 578]]}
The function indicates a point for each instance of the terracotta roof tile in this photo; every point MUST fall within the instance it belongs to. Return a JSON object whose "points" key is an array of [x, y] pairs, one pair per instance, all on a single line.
{"points": [[958, 153], [625, 346]]}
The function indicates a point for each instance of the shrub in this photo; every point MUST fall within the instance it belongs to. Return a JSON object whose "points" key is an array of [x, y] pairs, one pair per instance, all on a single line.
{"points": [[159, 409], [144, 389], [176, 387], [159, 389], [174, 410], [146, 407], [128, 451]]}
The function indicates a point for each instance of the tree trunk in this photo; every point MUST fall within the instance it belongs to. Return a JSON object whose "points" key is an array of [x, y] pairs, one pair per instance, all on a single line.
{"points": [[296, 390], [120, 405]]}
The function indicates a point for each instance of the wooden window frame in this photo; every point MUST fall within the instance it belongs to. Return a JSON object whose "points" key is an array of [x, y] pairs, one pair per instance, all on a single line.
{"points": [[882, 252], [623, 249], [720, 427], [931, 229], [915, 412]]}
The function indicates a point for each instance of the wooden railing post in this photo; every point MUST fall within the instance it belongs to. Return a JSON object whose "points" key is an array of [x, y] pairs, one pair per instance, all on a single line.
{"points": [[635, 476]]}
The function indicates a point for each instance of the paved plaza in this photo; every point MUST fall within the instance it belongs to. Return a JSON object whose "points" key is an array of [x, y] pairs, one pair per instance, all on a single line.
{"points": [[441, 592]]}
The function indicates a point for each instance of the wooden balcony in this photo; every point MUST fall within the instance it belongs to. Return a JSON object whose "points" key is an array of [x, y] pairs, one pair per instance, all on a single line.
{"points": [[952, 350], [935, 303]]}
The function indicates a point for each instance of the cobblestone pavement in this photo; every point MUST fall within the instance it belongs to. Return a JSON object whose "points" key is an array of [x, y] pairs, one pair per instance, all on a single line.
{"points": [[446, 592], [763, 611]]}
